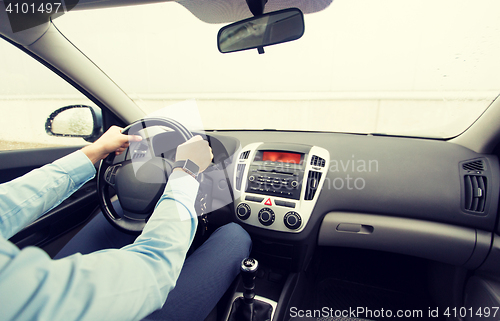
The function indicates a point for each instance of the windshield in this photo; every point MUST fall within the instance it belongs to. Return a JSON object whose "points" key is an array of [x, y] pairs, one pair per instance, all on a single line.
{"points": [[412, 68]]}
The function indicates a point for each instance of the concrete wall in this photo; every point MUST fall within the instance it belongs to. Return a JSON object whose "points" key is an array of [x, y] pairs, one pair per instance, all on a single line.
{"points": [[23, 120]]}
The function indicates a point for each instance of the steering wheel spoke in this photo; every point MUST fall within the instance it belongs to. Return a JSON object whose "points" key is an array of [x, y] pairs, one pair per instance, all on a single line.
{"points": [[110, 174]]}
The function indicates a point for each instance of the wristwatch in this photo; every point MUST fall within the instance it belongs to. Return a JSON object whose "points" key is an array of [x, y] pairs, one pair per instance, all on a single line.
{"points": [[188, 166]]}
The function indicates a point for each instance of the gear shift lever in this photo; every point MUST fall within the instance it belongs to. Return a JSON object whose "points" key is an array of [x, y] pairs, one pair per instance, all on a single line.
{"points": [[248, 308], [248, 270]]}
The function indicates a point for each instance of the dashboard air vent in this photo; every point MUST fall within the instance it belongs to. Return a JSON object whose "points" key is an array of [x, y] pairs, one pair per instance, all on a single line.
{"points": [[245, 154], [240, 170], [474, 166], [312, 185], [475, 193], [317, 161]]}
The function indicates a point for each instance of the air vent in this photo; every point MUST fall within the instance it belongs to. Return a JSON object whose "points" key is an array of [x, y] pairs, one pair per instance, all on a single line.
{"points": [[312, 184], [240, 170], [474, 166], [475, 192], [317, 161], [245, 154]]}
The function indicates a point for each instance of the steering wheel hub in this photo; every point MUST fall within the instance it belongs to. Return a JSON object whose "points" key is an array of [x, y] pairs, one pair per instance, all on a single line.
{"points": [[149, 180]]}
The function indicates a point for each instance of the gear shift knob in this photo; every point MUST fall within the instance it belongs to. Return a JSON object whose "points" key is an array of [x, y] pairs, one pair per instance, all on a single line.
{"points": [[249, 267]]}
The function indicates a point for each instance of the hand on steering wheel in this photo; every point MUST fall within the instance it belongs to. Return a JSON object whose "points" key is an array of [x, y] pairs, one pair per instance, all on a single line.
{"points": [[140, 184], [111, 141], [197, 150]]}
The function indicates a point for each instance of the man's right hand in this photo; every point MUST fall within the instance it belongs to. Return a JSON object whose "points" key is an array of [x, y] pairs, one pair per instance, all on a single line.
{"points": [[197, 150]]}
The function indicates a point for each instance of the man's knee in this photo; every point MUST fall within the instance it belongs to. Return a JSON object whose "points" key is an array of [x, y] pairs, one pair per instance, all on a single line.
{"points": [[235, 234]]}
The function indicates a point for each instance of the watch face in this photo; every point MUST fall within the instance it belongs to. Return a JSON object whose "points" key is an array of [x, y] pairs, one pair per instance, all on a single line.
{"points": [[187, 165], [192, 167]]}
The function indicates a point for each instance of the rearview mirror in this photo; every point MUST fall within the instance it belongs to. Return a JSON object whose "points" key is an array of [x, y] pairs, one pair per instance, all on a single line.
{"points": [[264, 30]]}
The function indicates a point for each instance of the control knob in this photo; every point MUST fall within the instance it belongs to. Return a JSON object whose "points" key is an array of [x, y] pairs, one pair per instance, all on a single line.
{"points": [[292, 220], [243, 211], [266, 216]]}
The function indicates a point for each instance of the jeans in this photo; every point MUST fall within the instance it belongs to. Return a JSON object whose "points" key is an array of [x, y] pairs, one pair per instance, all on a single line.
{"points": [[205, 276]]}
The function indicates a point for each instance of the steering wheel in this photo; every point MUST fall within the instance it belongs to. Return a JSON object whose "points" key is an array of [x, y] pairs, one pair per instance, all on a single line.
{"points": [[138, 183]]}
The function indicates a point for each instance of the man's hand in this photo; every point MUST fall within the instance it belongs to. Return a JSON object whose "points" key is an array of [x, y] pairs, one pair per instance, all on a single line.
{"points": [[111, 141], [197, 150]]}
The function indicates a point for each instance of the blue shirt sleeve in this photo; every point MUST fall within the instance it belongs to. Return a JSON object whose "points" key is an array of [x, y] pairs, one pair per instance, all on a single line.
{"points": [[124, 284], [28, 197]]}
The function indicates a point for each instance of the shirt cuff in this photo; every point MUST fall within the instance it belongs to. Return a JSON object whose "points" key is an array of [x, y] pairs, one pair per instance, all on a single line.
{"points": [[182, 188], [182, 182], [78, 166]]}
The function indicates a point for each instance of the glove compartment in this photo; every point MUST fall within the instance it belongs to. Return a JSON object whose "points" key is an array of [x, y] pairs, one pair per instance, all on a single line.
{"points": [[456, 245]]}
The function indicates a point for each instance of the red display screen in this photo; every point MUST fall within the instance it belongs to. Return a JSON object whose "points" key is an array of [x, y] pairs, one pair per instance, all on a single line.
{"points": [[283, 157]]}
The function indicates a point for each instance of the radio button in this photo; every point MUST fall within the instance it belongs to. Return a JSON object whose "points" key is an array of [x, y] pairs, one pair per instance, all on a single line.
{"points": [[243, 211], [284, 203], [279, 203], [254, 198], [266, 216]]}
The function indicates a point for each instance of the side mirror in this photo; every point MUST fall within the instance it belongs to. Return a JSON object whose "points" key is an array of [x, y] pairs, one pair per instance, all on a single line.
{"points": [[75, 121], [260, 31]]}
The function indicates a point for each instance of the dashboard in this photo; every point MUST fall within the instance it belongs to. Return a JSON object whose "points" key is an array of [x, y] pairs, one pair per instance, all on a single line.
{"points": [[420, 197]]}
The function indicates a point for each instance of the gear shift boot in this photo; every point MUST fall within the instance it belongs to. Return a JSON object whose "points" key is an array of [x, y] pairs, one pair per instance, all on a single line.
{"points": [[257, 311]]}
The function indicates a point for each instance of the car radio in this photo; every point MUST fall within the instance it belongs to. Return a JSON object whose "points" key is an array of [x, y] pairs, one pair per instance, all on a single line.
{"points": [[276, 184], [276, 173]]}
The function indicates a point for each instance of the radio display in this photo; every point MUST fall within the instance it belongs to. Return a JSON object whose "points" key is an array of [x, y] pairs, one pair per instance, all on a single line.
{"points": [[283, 157]]}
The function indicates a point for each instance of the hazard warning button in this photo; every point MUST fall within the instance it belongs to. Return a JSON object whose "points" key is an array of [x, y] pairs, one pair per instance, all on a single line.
{"points": [[268, 202]]}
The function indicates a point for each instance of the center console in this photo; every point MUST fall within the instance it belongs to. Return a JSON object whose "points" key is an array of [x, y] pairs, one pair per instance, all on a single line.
{"points": [[277, 184]]}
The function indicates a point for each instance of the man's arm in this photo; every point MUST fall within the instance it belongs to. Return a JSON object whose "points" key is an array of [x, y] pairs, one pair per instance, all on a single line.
{"points": [[125, 284], [28, 197]]}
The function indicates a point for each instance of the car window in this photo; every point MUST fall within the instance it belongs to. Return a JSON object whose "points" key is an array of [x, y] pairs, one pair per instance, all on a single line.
{"points": [[415, 68], [29, 93]]}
